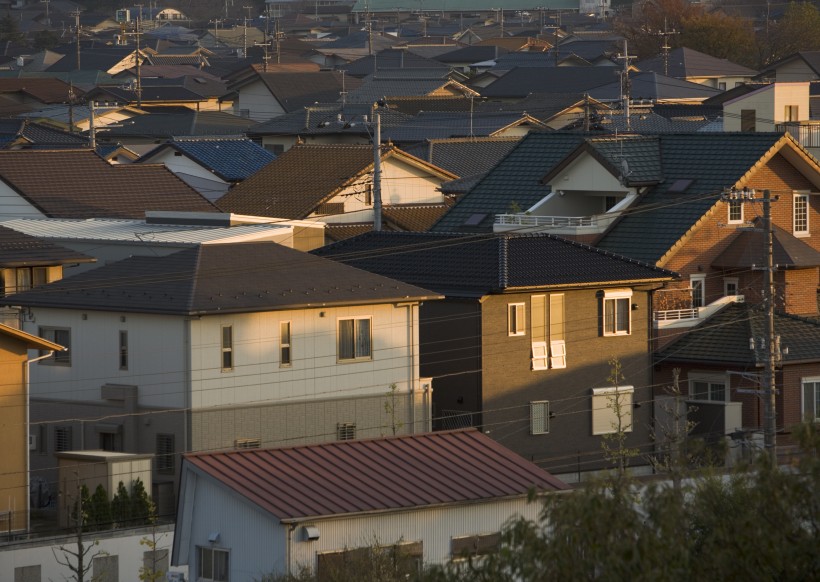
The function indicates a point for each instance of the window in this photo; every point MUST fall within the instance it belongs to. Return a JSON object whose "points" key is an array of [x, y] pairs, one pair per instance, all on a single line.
{"points": [[730, 286], [811, 399], [791, 113], [515, 319], [227, 348], [721, 86], [707, 387], [22, 278], [284, 343], [616, 310], [558, 346], [735, 211], [106, 568], [27, 574], [123, 350], [212, 564], [480, 545], [354, 338], [697, 284], [58, 335], [165, 453], [748, 120], [801, 215], [612, 409], [63, 439], [346, 431], [404, 559], [540, 417]]}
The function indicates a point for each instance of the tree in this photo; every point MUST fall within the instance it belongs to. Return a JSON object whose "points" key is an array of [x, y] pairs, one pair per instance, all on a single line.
{"points": [[140, 504], [79, 559], [798, 30], [614, 444], [721, 36], [121, 506], [10, 29], [642, 25], [45, 39], [100, 510], [154, 570]]}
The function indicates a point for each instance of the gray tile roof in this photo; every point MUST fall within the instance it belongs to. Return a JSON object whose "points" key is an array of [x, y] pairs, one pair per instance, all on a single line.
{"points": [[464, 156], [328, 119], [653, 86], [516, 178], [393, 59], [380, 87], [685, 62], [294, 91], [224, 278], [469, 265], [710, 161], [447, 124], [724, 339], [230, 159], [169, 122], [520, 81]]}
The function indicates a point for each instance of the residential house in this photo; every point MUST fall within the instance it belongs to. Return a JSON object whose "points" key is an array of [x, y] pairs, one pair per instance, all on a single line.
{"points": [[697, 67], [665, 202], [78, 117], [24, 95], [222, 346], [520, 82], [780, 106], [89, 187], [334, 184], [390, 59], [465, 156], [431, 498], [262, 95], [14, 422], [27, 261], [465, 124], [210, 166], [407, 82], [555, 110], [654, 88], [20, 134], [525, 342], [800, 66]]}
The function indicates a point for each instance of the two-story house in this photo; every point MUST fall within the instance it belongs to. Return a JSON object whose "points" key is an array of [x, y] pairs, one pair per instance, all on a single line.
{"points": [[223, 346], [525, 343]]}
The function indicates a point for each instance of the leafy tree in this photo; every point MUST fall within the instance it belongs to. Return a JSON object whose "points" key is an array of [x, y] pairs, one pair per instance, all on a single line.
{"points": [[641, 25], [140, 504], [79, 557], [10, 29], [45, 39], [798, 30], [121, 506], [100, 510], [721, 36], [153, 572]]}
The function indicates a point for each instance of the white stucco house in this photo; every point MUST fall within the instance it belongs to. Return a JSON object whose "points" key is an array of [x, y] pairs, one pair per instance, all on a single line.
{"points": [[426, 498], [223, 346]]}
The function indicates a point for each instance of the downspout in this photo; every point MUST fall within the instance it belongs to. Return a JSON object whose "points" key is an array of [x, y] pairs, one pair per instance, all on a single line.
{"points": [[411, 378], [186, 341], [288, 542], [26, 382]]}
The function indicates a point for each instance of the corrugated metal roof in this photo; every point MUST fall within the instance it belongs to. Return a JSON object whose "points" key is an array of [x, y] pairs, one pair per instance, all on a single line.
{"points": [[349, 477], [135, 230]]}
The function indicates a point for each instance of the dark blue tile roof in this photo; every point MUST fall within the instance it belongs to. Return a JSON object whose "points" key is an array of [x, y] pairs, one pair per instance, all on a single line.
{"points": [[230, 159]]}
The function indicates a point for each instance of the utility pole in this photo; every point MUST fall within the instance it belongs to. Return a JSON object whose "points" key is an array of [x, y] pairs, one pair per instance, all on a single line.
{"points": [[48, 19], [586, 112], [92, 130], [137, 34], [76, 15], [71, 107], [665, 46], [625, 85], [377, 173], [770, 341]]}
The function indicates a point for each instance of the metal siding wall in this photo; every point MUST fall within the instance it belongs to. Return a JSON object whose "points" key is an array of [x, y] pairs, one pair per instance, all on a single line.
{"points": [[433, 527], [256, 542]]}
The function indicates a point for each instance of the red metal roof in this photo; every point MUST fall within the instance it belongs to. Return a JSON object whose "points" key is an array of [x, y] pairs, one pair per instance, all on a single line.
{"points": [[348, 477]]}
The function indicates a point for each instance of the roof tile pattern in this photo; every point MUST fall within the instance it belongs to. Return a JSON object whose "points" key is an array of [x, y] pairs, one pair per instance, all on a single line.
{"points": [[223, 278], [21, 250], [80, 184], [394, 473], [479, 264], [230, 159]]}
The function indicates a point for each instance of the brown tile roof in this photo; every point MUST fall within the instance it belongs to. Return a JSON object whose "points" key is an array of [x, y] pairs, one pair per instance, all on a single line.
{"points": [[337, 232], [396, 473], [412, 217], [222, 278], [746, 251], [22, 250], [294, 91], [81, 184], [46, 90], [296, 182], [516, 43]]}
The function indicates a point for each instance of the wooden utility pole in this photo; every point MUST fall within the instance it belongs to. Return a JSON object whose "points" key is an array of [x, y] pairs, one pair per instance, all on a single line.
{"points": [[76, 15], [377, 173], [625, 85]]}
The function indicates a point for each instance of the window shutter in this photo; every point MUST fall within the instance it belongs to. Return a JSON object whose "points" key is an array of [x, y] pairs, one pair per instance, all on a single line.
{"points": [[539, 355], [557, 316], [538, 317], [558, 353], [539, 417]]}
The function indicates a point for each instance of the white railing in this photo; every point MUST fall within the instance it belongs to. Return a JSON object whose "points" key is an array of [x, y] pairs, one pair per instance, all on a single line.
{"points": [[675, 314], [545, 221]]}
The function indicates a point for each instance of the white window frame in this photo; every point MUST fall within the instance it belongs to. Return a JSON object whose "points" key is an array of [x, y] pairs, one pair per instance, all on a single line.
{"points": [[51, 334], [618, 297], [727, 282], [791, 113], [712, 379], [226, 349], [810, 410], [803, 197], [604, 413], [516, 322], [200, 555], [539, 417], [540, 356], [356, 356], [698, 299], [734, 204], [285, 346]]}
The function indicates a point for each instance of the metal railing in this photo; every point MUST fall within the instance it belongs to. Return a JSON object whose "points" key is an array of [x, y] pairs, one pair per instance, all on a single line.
{"points": [[807, 134], [545, 221], [675, 314]]}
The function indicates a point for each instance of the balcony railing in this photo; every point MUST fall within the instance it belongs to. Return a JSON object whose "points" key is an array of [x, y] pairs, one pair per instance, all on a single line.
{"points": [[806, 133], [676, 314], [524, 220]]}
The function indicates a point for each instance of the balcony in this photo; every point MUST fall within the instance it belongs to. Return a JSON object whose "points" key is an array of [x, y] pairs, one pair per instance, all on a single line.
{"points": [[807, 133], [561, 225], [691, 316]]}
